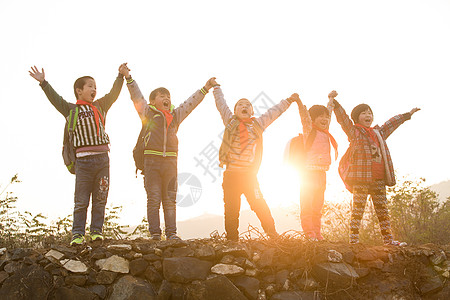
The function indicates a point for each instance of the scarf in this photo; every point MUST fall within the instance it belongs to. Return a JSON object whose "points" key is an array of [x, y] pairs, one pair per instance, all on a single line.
{"points": [[332, 140], [96, 113], [370, 132], [168, 116], [243, 133]]}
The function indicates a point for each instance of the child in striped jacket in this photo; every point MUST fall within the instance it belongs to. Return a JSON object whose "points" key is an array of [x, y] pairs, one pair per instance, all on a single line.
{"points": [[366, 168], [92, 146]]}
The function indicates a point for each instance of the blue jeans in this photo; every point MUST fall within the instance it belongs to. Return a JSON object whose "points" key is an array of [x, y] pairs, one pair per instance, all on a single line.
{"points": [[92, 178], [160, 180]]}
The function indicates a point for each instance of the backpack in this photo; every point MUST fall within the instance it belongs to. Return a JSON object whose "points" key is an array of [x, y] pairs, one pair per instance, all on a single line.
{"points": [[295, 152], [68, 151], [138, 150]]}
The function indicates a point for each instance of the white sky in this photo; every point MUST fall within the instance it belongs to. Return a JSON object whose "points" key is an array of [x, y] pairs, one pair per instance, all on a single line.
{"points": [[393, 55]]}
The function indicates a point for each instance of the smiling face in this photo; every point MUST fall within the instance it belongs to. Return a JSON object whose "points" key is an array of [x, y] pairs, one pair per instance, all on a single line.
{"points": [[162, 101], [243, 109], [88, 92], [322, 121], [365, 118]]}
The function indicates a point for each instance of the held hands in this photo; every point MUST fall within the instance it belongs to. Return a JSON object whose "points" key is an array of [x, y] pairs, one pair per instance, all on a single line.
{"points": [[39, 76], [124, 70], [211, 83], [295, 97], [333, 94], [414, 110]]}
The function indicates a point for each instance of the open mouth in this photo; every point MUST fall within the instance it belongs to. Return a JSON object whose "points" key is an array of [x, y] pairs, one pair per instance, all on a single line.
{"points": [[93, 95], [244, 111], [166, 104]]}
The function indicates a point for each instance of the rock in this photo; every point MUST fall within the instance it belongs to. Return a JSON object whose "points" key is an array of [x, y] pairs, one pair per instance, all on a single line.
{"points": [[185, 269], [362, 272], [266, 258], [152, 275], [205, 252], [73, 293], [221, 288], [151, 257], [138, 266], [131, 288], [251, 272], [105, 277], [224, 269], [307, 283], [2, 251], [295, 295], [337, 274], [119, 248], [144, 248], [79, 280], [334, 256], [74, 266], [3, 276], [13, 267], [165, 291], [438, 258], [348, 257], [114, 264], [367, 255], [227, 259], [235, 249], [55, 255], [99, 290], [20, 253], [248, 285], [182, 252], [281, 277], [376, 264], [32, 282], [429, 282]]}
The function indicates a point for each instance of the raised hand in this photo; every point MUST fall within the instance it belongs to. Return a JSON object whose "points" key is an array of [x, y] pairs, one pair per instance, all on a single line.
{"points": [[39, 76], [333, 94], [210, 83], [414, 110], [295, 97], [124, 70]]}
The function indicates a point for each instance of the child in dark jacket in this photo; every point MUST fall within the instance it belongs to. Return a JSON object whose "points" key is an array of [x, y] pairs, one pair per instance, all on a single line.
{"points": [[161, 151], [92, 146], [317, 143], [241, 152], [366, 168]]}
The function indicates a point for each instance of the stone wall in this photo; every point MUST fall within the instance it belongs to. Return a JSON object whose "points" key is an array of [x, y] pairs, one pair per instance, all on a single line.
{"points": [[217, 269]]}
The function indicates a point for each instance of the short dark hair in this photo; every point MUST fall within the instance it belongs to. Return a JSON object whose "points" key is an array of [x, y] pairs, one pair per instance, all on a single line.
{"points": [[160, 90], [317, 110], [358, 110], [79, 84]]}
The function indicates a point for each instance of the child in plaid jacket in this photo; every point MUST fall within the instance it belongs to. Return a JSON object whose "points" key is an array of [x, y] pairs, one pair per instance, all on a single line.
{"points": [[366, 167]]}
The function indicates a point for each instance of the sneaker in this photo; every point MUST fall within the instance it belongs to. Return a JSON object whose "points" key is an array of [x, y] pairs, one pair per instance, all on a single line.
{"points": [[396, 243], [96, 236], [77, 239], [173, 237], [156, 237], [354, 242]]}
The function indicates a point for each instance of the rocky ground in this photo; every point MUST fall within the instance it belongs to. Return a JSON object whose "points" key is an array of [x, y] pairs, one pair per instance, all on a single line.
{"points": [[287, 268]]}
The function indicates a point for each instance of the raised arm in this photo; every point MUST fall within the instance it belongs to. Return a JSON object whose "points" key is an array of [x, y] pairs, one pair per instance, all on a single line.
{"points": [[304, 115], [393, 123], [274, 112], [106, 101], [185, 108], [343, 119], [221, 105], [330, 105], [56, 100]]}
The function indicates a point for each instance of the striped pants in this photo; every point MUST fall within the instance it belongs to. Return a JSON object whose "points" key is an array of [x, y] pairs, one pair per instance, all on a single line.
{"points": [[377, 190]]}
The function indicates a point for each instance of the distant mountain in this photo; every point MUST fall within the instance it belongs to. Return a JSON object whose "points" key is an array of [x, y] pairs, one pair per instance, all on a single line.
{"points": [[443, 189], [202, 226]]}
